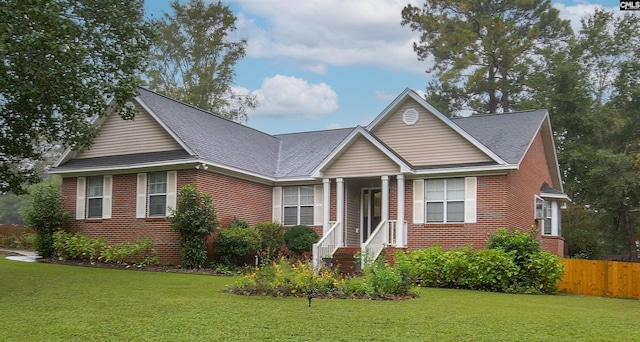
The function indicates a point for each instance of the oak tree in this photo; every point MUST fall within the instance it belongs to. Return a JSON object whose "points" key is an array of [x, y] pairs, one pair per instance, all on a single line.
{"points": [[61, 62]]}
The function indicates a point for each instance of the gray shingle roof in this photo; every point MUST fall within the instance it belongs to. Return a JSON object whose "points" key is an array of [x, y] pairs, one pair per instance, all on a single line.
{"points": [[215, 139], [508, 134], [229, 144], [126, 160], [302, 152]]}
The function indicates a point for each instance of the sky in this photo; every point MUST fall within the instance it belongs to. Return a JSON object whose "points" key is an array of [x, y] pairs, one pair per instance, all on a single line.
{"points": [[325, 64]]}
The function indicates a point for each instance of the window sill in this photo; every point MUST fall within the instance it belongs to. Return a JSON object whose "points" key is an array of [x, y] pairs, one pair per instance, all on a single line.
{"points": [[155, 219]]}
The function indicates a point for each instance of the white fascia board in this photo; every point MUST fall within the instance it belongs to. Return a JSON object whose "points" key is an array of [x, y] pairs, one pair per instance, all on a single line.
{"points": [[475, 170], [547, 126], [564, 197], [164, 126], [412, 94], [317, 173]]}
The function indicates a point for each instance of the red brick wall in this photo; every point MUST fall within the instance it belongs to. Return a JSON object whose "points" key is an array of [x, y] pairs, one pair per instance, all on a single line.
{"points": [[233, 198]]}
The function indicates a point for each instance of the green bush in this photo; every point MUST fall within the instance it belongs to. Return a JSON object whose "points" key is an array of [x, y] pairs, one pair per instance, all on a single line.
{"points": [[233, 244], [195, 218], [283, 278], [77, 246], [383, 281], [140, 252], [299, 239], [44, 214], [272, 234], [514, 264], [238, 223], [538, 271], [83, 248]]}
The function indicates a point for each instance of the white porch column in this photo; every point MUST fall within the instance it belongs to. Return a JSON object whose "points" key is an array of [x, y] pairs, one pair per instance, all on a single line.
{"points": [[326, 193], [340, 208], [400, 233], [385, 198]]}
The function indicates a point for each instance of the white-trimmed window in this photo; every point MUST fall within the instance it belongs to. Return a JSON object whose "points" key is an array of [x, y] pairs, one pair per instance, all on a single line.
{"points": [[298, 205], [444, 200], [545, 213], [93, 197], [95, 191], [156, 194]]}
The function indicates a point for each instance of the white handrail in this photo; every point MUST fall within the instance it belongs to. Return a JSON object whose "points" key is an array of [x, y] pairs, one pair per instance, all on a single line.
{"points": [[328, 244], [383, 235]]}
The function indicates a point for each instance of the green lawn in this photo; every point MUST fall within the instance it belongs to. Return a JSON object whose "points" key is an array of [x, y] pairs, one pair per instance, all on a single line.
{"points": [[46, 302]]}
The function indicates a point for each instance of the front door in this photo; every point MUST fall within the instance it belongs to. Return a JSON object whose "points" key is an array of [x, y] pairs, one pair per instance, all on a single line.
{"points": [[371, 211]]}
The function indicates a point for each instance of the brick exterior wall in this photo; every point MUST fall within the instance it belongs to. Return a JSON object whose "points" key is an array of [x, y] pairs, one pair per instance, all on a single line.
{"points": [[233, 198]]}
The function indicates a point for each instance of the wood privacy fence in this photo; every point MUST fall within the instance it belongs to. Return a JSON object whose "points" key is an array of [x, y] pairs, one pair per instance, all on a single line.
{"points": [[601, 278]]}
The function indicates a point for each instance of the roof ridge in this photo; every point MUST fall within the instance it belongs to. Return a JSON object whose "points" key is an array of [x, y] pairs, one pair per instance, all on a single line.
{"points": [[314, 131], [497, 114]]}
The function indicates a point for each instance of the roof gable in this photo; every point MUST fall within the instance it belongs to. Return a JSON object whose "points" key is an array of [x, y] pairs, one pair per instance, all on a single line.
{"points": [[143, 134], [432, 140]]}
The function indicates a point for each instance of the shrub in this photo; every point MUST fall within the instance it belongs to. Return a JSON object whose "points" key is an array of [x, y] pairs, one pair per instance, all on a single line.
{"points": [[44, 214], [272, 234], [538, 271], [82, 248], [233, 244], [238, 223], [283, 278], [383, 281], [522, 243], [299, 239], [194, 218]]}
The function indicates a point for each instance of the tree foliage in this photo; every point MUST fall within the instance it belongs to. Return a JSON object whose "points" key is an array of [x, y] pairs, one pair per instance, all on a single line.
{"points": [[482, 52], [44, 214], [194, 219], [591, 89], [194, 57], [61, 60]]}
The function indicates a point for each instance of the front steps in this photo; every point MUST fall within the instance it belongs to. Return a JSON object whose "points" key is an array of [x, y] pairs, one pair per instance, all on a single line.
{"points": [[343, 259]]}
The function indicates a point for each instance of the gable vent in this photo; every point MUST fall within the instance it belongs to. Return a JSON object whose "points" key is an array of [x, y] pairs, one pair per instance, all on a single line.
{"points": [[410, 116]]}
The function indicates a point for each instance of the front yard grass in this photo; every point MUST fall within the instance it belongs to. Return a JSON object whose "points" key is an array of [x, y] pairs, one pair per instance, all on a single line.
{"points": [[50, 302]]}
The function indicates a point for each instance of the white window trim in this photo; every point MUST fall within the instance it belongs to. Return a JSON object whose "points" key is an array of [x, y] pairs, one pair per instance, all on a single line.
{"points": [[299, 205], [142, 195], [163, 194], [82, 198], [470, 201], [444, 202], [101, 197], [549, 210]]}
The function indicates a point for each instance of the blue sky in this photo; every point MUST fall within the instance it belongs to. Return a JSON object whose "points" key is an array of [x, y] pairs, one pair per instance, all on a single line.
{"points": [[322, 64]]}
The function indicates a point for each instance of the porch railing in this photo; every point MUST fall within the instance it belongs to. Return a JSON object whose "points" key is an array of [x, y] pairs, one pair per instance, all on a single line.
{"points": [[328, 244], [383, 235]]}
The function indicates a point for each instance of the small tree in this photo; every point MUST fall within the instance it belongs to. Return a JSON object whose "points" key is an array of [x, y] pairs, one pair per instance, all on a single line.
{"points": [[44, 214], [272, 238], [194, 218]]}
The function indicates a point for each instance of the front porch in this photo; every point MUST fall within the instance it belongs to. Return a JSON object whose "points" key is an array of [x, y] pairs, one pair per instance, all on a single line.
{"points": [[366, 217]]}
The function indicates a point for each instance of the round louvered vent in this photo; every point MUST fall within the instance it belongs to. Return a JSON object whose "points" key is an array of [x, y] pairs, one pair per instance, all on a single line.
{"points": [[410, 116]]}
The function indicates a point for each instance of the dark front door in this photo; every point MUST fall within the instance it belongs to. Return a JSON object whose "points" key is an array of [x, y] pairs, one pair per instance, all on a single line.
{"points": [[371, 211]]}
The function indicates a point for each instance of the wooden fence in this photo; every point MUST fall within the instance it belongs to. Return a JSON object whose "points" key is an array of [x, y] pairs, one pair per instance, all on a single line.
{"points": [[601, 278]]}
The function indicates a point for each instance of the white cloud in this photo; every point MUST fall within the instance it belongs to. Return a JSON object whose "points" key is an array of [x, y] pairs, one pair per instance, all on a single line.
{"points": [[334, 126], [292, 97], [320, 33], [385, 96], [575, 13]]}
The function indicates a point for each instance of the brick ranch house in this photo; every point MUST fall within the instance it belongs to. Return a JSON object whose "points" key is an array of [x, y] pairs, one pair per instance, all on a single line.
{"points": [[410, 179]]}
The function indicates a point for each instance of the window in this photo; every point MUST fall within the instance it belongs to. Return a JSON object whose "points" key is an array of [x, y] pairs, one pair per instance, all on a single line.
{"points": [[298, 203], [444, 200], [544, 212], [95, 192], [157, 193]]}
